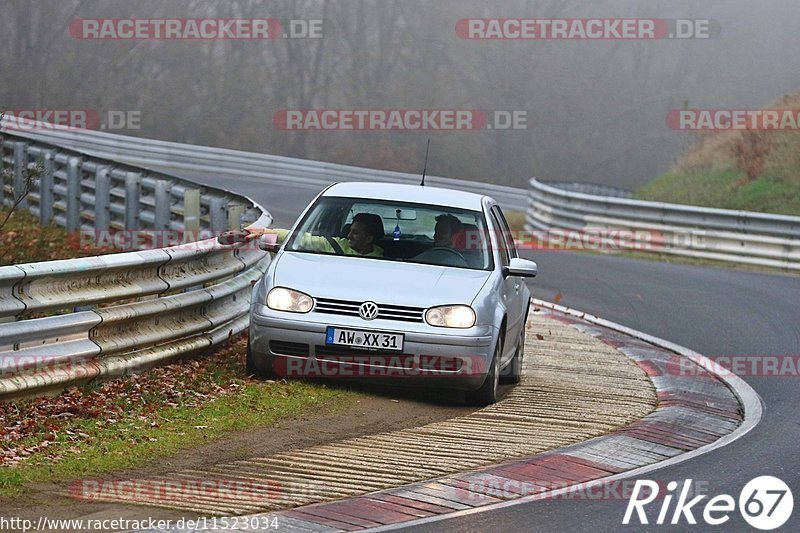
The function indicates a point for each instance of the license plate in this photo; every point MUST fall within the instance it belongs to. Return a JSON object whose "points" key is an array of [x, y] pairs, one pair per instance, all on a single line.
{"points": [[374, 340]]}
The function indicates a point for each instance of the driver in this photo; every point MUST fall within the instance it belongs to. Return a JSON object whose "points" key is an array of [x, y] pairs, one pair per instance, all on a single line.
{"points": [[365, 229]]}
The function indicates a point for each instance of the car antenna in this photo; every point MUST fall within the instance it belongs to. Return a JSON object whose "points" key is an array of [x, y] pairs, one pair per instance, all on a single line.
{"points": [[425, 166]]}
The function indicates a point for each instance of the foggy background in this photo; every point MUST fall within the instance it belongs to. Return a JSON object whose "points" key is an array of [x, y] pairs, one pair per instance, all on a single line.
{"points": [[595, 109]]}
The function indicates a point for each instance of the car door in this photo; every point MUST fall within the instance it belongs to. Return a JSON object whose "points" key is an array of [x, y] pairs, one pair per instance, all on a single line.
{"points": [[513, 287]]}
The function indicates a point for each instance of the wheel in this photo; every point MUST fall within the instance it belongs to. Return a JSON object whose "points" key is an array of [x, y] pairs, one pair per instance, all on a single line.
{"points": [[487, 394], [443, 256], [446, 249], [250, 366], [513, 372]]}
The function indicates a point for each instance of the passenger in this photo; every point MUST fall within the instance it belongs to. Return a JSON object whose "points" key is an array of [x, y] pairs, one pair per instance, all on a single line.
{"points": [[446, 227]]}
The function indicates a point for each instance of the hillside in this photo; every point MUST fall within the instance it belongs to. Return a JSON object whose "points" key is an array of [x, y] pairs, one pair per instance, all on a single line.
{"points": [[750, 170]]}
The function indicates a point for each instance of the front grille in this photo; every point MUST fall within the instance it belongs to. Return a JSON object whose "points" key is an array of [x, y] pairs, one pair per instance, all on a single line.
{"points": [[427, 364], [440, 364], [388, 312], [358, 357], [331, 352], [296, 349]]}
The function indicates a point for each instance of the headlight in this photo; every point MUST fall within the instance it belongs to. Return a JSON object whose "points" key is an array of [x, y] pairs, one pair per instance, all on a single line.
{"points": [[283, 299], [451, 316]]}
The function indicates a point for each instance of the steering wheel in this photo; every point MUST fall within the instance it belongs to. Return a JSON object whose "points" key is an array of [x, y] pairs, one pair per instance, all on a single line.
{"points": [[337, 249], [446, 249]]}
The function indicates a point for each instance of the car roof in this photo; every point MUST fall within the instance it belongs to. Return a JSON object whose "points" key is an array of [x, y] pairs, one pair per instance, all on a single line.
{"points": [[408, 193]]}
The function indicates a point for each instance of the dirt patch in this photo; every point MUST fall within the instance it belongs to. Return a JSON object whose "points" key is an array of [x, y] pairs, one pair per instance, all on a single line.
{"points": [[377, 410]]}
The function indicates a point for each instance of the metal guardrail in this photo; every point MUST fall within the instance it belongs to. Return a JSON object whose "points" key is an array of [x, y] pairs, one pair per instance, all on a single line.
{"points": [[700, 232], [132, 310], [590, 188], [85, 192], [273, 169], [118, 313]]}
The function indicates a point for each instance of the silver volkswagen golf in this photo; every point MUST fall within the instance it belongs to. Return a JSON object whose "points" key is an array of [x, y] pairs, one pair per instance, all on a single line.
{"points": [[414, 284]]}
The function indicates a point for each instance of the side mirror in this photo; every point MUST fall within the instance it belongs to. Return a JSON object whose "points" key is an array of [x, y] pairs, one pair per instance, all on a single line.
{"points": [[521, 267]]}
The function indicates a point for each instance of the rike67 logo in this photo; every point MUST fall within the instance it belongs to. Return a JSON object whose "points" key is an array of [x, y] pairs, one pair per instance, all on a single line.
{"points": [[765, 503]]}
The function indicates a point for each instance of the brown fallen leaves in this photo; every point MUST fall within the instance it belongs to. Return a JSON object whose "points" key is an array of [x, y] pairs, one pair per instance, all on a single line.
{"points": [[33, 425], [23, 240]]}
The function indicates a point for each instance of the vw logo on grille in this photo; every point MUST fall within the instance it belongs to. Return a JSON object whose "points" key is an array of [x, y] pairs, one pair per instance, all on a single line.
{"points": [[368, 310]]}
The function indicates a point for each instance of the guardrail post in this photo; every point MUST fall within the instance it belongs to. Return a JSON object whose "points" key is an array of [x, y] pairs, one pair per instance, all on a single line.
{"points": [[102, 199], [162, 213], [73, 194], [20, 168], [2, 174], [132, 193], [235, 213], [191, 211], [46, 190], [217, 213]]}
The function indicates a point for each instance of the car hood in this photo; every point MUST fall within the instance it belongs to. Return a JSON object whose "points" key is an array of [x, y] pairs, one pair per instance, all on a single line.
{"points": [[387, 282]]}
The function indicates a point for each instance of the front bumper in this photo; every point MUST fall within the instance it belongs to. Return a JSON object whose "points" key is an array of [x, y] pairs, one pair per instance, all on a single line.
{"points": [[293, 345]]}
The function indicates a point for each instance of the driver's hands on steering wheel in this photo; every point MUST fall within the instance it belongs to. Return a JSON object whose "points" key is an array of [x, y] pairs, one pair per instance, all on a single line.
{"points": [[445, 248]]}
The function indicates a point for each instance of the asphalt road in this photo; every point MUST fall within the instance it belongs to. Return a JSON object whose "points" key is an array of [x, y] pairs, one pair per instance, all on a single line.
{"points": [[713, 311], [710, 310]]}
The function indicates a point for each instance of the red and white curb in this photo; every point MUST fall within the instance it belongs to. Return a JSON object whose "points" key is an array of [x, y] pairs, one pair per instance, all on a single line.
{"points": [[696, 413]]}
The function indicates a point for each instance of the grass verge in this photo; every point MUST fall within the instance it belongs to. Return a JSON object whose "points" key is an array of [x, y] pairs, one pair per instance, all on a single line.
{"points": [[725, 190], [24, 240], [516, 220], [135, 420], [752, 170]]}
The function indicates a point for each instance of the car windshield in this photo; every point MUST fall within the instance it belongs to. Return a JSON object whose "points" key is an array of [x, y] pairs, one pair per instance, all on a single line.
{"points": [[399, 231]]}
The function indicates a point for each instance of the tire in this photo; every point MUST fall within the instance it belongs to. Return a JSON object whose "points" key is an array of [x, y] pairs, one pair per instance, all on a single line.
{"points": [[487, 394], [250, 366], [513, 372]]}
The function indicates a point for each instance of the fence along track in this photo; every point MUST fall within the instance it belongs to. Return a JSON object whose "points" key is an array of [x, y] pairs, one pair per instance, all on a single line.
{"points": [[274, 170], [725, 235], [123, 312]]}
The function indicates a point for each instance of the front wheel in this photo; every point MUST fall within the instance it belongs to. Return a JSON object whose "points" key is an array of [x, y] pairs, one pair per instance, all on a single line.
{"points": [[513, 372], [487, 394], [250, 365]]}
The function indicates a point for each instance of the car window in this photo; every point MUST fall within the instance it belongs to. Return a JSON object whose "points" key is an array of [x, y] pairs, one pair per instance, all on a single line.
{"points": [[409, 231]]}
